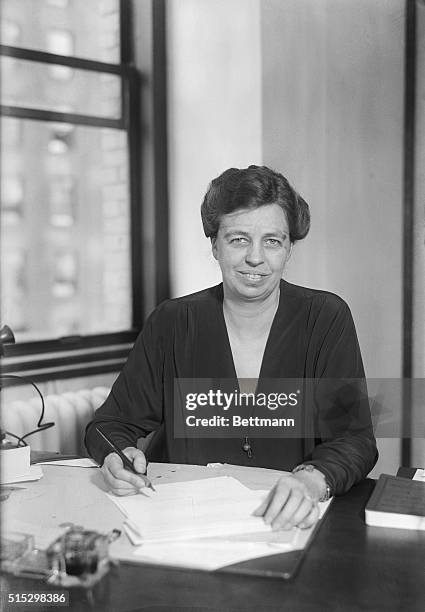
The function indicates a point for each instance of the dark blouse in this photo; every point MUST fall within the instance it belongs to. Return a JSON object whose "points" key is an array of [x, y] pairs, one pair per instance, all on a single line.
{"points": [[312, 337]]}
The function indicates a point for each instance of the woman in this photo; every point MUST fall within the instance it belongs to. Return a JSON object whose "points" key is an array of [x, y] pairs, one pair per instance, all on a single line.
{"points": [[252, 326]]}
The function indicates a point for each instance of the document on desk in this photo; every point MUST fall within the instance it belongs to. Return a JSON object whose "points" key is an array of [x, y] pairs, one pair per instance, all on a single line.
{"points": [[209, 553], [198, 508], [34, 473], [204, 524], [84, 462], [419, 475]]}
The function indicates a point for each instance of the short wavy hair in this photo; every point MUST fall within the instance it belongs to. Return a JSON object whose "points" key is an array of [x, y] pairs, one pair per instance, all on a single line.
{"points": [[250, 188]]}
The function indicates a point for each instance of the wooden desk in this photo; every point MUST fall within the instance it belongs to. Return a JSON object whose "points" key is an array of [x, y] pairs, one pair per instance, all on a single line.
{"points": [[348, 567]]}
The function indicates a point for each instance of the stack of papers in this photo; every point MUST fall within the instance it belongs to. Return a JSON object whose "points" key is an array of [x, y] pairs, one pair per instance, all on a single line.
{"points": [[85, 462], [198, 508], [205, 524]]}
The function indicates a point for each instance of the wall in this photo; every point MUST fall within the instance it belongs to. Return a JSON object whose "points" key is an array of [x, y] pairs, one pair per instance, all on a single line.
{"points": [[333, 118], [333, 121], [214, 98]]}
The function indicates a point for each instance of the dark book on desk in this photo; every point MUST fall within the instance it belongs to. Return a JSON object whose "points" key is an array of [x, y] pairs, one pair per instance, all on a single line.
{"points": [[411, 472], [397, 502]]}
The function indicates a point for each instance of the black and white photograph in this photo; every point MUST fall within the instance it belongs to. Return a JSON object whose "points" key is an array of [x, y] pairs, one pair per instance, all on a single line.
{"points": [[212, 305]]}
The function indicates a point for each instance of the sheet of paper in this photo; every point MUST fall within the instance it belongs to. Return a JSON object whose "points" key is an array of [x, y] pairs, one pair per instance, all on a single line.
{"points": [[260, 478], [419, 475], [218, 552], [85, 462], [34, 473], [199, 508], [209, 553]]}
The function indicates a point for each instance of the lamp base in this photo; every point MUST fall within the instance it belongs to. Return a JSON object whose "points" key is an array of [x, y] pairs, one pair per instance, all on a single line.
{"points": [[14, 463]]}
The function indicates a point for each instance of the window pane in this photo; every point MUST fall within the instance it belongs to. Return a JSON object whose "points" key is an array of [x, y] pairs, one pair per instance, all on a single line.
{"points": [[93, 26], [54, 87], [10, 33], [65, 222]]}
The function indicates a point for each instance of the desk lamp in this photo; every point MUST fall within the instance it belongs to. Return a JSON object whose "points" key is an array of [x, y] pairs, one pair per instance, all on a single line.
{"points": [[6, 337]]}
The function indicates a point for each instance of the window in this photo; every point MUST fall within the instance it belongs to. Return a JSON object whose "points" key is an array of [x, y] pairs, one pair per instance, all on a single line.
{"points": [[67, 227], [93, 26], [12, 190], [58, 3], [13, 286], [62, 202], [10, 32], [61, 138], [60, 42]]}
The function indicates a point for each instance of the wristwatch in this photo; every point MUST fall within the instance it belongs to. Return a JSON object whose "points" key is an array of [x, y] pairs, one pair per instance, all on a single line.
{"points": [[307, 467]]}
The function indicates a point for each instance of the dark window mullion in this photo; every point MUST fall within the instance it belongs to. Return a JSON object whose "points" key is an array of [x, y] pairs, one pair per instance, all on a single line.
{"points": [[135, 171], [57, 116], [126, 39], [131, 111], [43, 57], [67, 343]]}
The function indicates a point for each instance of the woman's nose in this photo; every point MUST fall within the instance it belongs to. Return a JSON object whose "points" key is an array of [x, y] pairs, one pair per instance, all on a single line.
{"points": [[255, 254]]}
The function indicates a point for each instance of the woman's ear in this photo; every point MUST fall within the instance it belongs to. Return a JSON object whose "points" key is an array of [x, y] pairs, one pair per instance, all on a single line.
{"points": [[290, 251], [214, 247]]}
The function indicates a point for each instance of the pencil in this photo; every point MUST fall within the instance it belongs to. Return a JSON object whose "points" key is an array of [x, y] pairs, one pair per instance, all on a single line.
{"points": [[126, 461]]}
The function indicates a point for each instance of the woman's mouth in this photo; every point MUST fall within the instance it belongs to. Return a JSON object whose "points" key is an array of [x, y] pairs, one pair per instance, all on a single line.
{"points": [[253, 276]]}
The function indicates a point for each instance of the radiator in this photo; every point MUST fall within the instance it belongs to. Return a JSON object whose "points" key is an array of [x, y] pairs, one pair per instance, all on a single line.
{"points": [[70, 411]]}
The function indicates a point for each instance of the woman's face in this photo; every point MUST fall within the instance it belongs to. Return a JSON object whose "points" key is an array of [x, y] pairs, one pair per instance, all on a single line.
{"points": [[252, 247]]}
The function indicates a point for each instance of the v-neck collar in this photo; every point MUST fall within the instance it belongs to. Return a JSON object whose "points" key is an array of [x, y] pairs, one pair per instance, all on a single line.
{"points": [[270, 337]]}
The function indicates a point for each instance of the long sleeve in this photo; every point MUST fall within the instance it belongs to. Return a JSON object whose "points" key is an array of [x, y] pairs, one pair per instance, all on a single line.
{"points": [[347, 451], [134, 406], [312, 337]]}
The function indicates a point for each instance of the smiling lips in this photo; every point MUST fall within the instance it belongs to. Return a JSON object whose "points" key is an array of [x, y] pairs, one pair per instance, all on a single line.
{"points": [[253, 276]]}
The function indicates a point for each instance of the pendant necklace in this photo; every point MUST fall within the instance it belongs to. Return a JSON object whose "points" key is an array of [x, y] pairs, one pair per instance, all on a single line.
{"points": [[246, 446], [248, 386]]}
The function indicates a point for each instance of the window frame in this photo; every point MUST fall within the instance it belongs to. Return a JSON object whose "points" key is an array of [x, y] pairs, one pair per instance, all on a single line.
{"points": [[78, 355]]}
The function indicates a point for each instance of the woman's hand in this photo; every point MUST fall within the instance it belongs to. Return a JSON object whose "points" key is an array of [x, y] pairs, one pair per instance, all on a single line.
{"points": [[119, 480], [289, 504]]}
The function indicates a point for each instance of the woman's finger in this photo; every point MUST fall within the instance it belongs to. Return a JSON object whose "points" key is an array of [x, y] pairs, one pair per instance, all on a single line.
{"points": [[264, 505], [118, 475], [138, 458], [122, 492], [311, 518], [302, 512], [281, 519], [279, 498], [112, 481]]}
